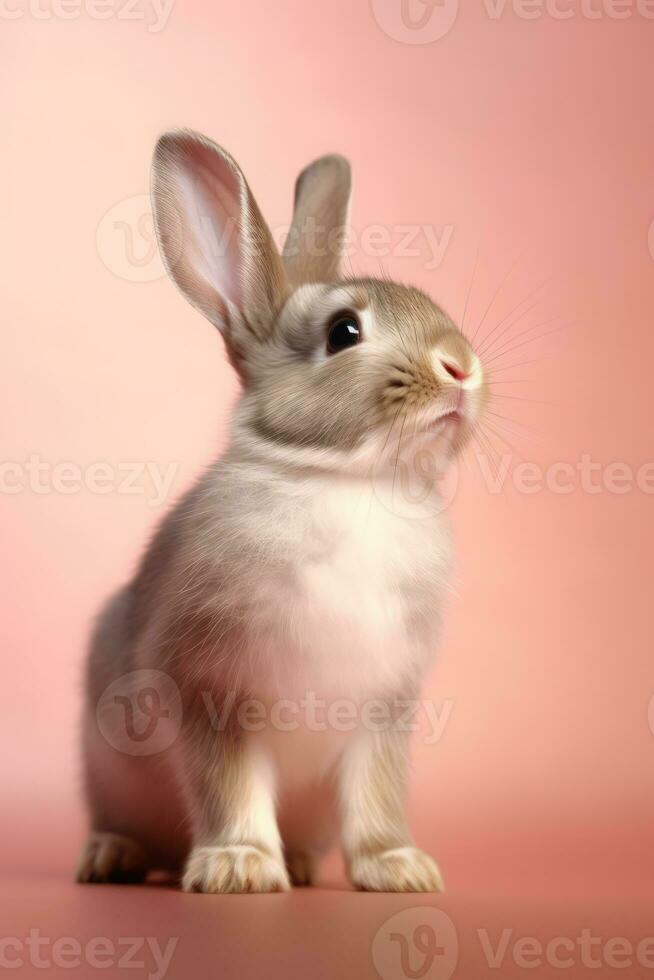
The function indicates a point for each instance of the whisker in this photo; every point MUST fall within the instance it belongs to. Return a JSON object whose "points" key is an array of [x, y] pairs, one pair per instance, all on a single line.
{"points": [[505, 420], [505, 441], [509, 367], [531, 340], [488, 345], [521, 333], [517, 307], [397, 457], [487, 447], [493, 455], [519, 398], [388, 434], [472, 279], [495, 295]]}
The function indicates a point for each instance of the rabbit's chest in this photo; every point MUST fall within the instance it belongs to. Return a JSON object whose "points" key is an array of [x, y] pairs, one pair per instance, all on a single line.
{"points": [[350, 619]]}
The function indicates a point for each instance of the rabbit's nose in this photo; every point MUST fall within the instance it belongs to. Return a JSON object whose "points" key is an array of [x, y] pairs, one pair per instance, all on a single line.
{"points": [[455, 370]]}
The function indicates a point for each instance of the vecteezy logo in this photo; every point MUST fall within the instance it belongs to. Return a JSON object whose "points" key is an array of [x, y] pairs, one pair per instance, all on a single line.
{"points": [[140, 713], [126, 241], [416, 944], [416, 483], [148, 704], [415, 21]]}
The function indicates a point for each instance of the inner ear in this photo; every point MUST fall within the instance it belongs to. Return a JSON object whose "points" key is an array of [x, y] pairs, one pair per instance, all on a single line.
{"points": [[216, 245], [211, 199]]}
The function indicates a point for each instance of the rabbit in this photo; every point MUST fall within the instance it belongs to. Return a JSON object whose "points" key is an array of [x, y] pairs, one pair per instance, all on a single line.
{"points": [[284, 579]]}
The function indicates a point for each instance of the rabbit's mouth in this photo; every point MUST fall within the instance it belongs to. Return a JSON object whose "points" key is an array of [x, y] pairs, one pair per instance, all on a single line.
{"points": [[438, 424], [454, 416]]}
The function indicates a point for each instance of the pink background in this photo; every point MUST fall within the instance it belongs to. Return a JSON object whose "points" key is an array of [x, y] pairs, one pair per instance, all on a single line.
{"points": [[532, 139]]}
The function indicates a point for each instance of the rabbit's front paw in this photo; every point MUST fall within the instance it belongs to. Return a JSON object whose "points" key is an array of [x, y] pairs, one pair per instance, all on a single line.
{"points": [[402, 869], [111, 857], [239, 868]]}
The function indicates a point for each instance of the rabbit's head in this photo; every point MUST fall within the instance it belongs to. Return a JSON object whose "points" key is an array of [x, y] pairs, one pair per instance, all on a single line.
{"points": [[334, 370]]}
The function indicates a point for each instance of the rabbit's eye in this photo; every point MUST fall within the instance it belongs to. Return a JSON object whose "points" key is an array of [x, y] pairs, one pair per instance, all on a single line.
{"points": [[344, 331]]}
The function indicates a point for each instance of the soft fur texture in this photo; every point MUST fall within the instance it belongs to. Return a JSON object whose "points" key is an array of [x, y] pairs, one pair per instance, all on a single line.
{"points": [[284, 570]]}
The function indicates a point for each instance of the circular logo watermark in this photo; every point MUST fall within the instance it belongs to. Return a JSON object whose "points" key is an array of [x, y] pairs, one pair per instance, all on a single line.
{"points": [[418, 942], [126, 240], [416, 482], [140, 713], [415, 21]]}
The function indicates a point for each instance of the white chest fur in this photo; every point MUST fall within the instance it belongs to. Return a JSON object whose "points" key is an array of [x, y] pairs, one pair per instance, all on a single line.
{"points": [[340, 623]]}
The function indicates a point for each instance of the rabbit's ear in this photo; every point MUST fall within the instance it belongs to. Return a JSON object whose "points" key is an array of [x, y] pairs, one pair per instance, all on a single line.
{"points": [[315, 242], [214, 241]]}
